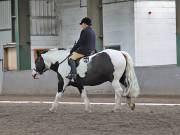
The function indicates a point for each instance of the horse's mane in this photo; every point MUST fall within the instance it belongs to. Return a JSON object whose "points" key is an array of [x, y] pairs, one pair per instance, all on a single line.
{"points": [[56, 54], [55, 49], [52, 49]]}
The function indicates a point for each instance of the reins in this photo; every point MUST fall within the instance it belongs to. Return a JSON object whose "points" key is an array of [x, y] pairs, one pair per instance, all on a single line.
{"points": [[65, 59]]}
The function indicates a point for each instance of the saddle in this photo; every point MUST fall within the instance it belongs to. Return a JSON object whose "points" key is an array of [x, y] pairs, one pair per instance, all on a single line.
{"points": [[85, 58]]}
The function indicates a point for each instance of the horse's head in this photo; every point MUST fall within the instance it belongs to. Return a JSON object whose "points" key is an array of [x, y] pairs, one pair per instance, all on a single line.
{"points": [[48, 59], [40, 67]]}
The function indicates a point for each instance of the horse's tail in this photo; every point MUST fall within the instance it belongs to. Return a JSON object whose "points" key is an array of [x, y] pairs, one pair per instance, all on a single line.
{"points": [[132, 88]]}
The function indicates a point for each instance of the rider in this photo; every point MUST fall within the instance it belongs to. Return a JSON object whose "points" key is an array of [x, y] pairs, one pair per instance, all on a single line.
{"points": [[84, 47]]}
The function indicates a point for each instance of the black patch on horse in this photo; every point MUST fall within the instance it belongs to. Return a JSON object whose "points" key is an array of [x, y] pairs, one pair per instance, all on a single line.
{"points": [[77, 85], [123, 79], [100, 70], [60, 83], [55, 66]]}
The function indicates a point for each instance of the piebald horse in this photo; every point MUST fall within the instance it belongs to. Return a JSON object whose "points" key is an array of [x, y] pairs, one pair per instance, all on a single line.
{"points": [[108, 65]]}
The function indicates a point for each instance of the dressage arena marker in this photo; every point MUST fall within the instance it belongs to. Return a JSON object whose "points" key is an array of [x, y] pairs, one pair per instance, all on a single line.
{"points": [[80, 103]]}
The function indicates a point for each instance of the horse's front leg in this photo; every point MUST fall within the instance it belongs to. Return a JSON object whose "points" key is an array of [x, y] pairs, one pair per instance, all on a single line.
{"points": [[61, 87], [86, 101], [55, 103]]}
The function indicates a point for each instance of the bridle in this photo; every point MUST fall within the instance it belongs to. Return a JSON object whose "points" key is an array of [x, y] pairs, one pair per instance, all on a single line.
{"points": [[45, 69]]}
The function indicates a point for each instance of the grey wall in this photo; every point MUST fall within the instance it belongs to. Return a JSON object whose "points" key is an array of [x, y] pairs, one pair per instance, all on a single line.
{"points": [[163, 80], [21, 82], [71, 14], [153, 81], [155, 33], [119, 25]]}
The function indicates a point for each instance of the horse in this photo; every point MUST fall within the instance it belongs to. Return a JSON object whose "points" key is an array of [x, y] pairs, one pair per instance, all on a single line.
{"points": [[107, 65]]}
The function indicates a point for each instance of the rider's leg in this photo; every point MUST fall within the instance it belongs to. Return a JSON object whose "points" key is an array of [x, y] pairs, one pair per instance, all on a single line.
{"points": [[72, 74], [72, 64]]}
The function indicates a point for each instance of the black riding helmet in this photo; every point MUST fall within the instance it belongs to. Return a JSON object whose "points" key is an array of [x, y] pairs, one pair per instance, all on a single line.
{"points": [[87, 21]]}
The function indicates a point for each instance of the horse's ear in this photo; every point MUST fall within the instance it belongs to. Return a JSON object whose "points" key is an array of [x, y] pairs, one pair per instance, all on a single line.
{"points": [[39, 52], [44, 51]]}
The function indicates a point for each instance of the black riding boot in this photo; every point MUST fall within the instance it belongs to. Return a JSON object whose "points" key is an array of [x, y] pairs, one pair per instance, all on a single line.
{"points": [[73, 72]]}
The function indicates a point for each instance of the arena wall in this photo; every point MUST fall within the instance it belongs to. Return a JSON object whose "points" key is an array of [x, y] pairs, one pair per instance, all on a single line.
{"points": [[162, 80]]}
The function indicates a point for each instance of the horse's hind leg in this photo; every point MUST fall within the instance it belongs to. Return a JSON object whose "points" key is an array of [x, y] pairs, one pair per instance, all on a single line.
{"points": [[86, 100], [130, 103], [118, 92]]}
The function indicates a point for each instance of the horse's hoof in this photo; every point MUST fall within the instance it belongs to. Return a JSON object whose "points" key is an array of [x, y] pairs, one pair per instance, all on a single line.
{"points": [[132, 106], [52, 110]]}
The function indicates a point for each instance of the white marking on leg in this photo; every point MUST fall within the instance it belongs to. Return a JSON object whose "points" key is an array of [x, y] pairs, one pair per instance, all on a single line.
{"points": [[86, 100], [58, 96], [55, 103], [118, 93], [66, 82]]}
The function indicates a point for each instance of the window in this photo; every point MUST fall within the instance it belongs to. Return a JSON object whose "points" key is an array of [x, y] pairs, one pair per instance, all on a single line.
{"points": [[43, 18]]}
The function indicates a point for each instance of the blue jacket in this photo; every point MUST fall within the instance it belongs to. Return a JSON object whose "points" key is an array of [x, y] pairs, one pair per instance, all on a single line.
{"points": [[86, 43]]}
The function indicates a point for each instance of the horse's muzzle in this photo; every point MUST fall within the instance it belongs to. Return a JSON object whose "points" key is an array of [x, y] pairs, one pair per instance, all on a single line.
{"points": [[34, 74]]}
